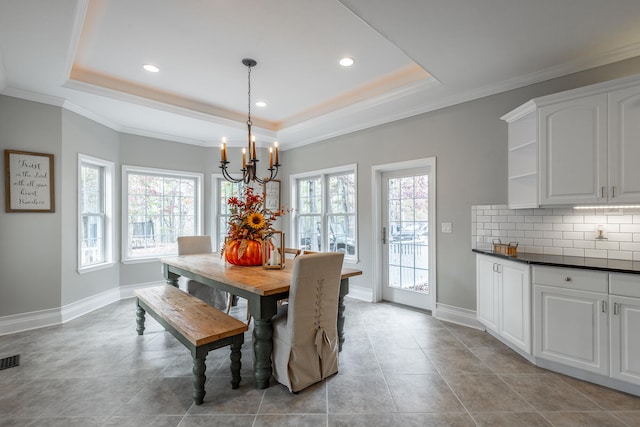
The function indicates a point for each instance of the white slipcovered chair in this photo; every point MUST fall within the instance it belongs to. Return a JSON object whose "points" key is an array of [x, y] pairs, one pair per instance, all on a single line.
{"points": [[189, 245], [305, 332]]}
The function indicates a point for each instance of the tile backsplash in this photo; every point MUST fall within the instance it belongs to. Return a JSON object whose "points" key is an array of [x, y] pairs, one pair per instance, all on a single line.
{"points": [[559, 231]]}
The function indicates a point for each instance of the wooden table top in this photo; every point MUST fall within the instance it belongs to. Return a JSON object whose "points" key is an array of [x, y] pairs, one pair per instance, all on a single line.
{"points": [[252, 279]]}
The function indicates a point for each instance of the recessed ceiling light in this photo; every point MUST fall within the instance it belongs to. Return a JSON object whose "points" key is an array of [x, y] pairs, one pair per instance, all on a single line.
{"points": [[261, 104], [151, 68], [347, 61]]}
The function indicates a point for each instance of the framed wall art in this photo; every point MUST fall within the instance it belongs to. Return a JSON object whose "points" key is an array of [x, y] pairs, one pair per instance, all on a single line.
{"points": [[272, 196], [28, 181]]}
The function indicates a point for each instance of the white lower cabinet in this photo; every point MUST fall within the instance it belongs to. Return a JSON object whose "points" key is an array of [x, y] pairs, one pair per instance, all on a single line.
{"points": [[576, 321], [504, 299], [487, 279], [571, 327], [625, 328]]}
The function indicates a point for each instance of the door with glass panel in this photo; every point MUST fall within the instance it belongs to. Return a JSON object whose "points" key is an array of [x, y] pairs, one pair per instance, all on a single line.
{"points": [[406, 230]]}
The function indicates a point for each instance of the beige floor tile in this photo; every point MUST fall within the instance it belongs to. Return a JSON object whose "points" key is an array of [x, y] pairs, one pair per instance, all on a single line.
{"points": [[486, 393], [582, 419]]}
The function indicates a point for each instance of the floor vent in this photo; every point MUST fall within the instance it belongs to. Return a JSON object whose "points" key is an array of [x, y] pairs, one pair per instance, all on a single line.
{"points": [[9, 362]]}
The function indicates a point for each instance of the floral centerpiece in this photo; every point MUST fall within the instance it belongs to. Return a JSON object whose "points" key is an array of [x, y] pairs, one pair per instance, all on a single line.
{"points": [[250, 222]]}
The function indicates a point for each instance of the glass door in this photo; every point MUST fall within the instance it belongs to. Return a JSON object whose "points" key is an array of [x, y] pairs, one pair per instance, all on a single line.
{"points": [[405, 219]]}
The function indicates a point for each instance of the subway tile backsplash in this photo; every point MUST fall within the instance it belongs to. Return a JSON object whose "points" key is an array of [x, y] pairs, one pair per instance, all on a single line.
{"points": [[559, 231]]}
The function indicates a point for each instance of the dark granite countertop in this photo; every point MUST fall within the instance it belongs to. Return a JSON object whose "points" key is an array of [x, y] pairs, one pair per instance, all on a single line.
{"points": [[611, 265]]}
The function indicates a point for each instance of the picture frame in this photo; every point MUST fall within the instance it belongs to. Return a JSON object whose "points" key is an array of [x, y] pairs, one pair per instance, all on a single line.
{"points": [[29, 183], [271, 190]]}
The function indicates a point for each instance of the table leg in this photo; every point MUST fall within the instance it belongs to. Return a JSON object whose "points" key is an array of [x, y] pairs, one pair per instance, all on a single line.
{"points": [[262, 348], [344, 290], [169, 277]]}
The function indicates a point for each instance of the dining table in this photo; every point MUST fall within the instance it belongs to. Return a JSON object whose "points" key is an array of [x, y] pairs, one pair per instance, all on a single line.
{"points": [[261, 287]]}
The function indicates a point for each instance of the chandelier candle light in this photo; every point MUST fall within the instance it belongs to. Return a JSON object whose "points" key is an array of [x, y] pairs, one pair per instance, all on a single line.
{"points": [[250, 169]]}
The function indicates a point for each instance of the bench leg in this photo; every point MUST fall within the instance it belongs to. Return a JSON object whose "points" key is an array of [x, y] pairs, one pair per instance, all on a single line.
{"points": [[140, 320], [199, 367], [236, 363]]}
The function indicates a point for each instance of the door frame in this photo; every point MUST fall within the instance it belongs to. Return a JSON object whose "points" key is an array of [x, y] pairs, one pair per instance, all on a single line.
{"points": [[376, 209]]}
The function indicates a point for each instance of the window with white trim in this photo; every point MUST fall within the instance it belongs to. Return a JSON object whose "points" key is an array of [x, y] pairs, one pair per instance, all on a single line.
{"points": [[223, 189], [95, 212], [158, 206], [325, 211]]}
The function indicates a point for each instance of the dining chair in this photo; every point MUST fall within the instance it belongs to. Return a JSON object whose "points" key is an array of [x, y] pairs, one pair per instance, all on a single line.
{"points": [[305, 334], [289, 253], [190, 245]]}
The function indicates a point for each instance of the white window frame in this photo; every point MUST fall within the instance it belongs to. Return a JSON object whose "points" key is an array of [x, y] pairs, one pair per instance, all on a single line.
{"points": [[216, 178], [324, 174], [126, 169], [108, 185]]}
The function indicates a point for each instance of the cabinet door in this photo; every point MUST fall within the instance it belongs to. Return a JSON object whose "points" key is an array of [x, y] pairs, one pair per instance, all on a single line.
{"points": [[625, 339], [486, 292], [570, 327], [624, 149], [515, 307], [573, 151]]}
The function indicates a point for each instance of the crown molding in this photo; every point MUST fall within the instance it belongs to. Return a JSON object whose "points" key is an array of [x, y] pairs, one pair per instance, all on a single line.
{"points": [[76, 33], [32, 96]]}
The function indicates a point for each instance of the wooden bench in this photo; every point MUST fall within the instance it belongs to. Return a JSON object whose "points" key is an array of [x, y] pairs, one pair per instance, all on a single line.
{"points": [[197, 325]]}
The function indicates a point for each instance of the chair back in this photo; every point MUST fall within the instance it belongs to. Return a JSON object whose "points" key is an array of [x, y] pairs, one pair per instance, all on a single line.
{"points": [[189, 245], [313, 295], [292, 252]]}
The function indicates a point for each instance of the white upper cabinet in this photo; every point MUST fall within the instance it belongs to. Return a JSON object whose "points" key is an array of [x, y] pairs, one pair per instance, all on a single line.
{"points": [[577, 147], [624, 145], [573, 151]]}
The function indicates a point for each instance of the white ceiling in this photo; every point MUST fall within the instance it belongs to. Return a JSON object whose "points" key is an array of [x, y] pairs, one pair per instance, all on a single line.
{"points": [[411, 56]]}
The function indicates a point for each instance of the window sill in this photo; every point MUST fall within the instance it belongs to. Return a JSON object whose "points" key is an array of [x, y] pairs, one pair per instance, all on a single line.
{"points": [[95, 267], [144, 260]]}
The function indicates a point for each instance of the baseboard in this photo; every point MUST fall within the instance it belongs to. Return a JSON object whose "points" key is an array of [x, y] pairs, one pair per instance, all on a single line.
{"points": [[89, 304], [127, 291], [460, 316], [27, 321], [360, 293], [56, 316]]}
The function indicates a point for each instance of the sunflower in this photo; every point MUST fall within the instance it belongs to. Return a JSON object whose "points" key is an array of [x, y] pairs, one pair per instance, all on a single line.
{"points": [[256, 220]]}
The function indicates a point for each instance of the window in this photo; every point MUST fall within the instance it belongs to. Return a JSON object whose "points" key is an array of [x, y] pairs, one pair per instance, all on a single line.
{"points": [[223, 189], [158, 207], [95, 213], [324, 211]]}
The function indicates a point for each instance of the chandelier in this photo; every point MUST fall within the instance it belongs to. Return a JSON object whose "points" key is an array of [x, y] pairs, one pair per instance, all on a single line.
{"points": [[250, 167]]}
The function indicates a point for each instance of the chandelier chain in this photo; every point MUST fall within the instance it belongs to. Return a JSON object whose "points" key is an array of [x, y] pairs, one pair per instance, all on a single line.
{"points": [[249, 95]]}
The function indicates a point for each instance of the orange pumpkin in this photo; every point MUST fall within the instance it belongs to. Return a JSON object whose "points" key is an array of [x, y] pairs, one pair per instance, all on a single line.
{"points": [[252, 254]]}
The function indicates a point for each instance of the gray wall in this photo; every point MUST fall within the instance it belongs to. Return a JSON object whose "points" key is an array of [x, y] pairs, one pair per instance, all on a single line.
{"points": [[38, 251], [30, 249], [469, 142], [83, 136]]}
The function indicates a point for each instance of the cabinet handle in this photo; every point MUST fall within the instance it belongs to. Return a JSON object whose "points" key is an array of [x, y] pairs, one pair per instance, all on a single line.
{"points": [[613, 191], [604, 306], [499, 268], [615, 308], [602, 192], [567, 279]]}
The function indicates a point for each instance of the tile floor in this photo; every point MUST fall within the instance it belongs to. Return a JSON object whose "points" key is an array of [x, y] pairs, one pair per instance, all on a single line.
{"points": [[398, 367]]}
